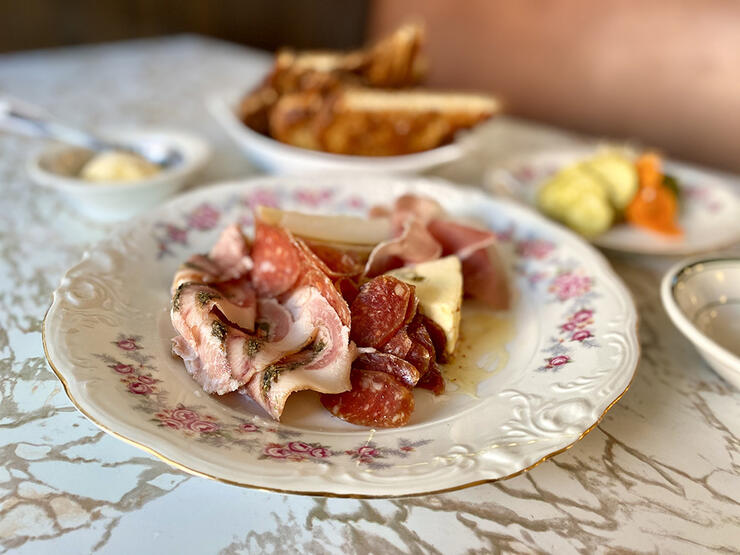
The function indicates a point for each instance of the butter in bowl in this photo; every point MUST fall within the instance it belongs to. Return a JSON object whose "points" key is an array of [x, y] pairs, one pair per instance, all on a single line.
{"points": [[115, 184]]}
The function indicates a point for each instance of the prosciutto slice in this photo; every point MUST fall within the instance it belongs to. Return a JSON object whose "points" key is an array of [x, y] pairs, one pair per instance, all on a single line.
{"points": [[228, 260], [484, 274], [423, 233], [414, 245]]}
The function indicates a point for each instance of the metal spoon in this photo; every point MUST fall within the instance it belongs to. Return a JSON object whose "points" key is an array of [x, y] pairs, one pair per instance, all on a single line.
{"points": [[17, 116]]}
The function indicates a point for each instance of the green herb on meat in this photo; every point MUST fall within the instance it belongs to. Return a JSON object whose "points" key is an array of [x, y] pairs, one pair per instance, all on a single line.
{"points": [[306, 356], [317, 346], [252, 346], [219, 331], [271, 374], [263, 329], [204, 297], [178, 294]]}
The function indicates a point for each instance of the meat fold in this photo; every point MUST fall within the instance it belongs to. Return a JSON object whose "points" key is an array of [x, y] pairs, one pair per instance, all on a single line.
{"points": [[323, 365]]}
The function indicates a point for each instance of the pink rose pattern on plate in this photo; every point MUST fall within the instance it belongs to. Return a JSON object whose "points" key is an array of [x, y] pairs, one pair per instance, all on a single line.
{"points": [[137, 374]]}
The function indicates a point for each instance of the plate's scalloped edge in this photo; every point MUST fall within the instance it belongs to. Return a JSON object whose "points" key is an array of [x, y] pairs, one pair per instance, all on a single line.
{"points": [[599, 257], [194, 472]]}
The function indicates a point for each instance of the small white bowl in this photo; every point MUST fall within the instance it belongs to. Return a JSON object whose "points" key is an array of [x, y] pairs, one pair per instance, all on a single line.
{"points": [[57, 166], [702, 297], [276, 157]]}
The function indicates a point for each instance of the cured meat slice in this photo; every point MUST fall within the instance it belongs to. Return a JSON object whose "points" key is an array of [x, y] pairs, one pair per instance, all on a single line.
{"points": [[323, 366], [406, 207], [484, 278], [339, 261], [414, 245], [228, 260], [231, 253], [397, 367], [203, 299], [273, 320], [277, 261], [379, 310], [400, 344], [348, 288], [212, 330], [198, 269], [283, 263], [433, 380], [484, 274], [436, 335], [376, 399], [238, 291], [313, 276]]}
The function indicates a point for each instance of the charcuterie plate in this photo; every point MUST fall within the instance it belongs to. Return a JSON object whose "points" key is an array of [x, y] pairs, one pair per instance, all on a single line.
{"points": [[567, 351]]}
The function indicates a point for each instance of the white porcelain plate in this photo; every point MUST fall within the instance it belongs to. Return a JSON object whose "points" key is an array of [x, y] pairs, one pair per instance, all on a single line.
{"points": [[710, 209], [572, 355]]}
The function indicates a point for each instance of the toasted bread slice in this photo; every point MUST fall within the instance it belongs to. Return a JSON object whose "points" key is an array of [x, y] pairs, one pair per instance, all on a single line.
{"points": [[393, 62], [376, 122]]}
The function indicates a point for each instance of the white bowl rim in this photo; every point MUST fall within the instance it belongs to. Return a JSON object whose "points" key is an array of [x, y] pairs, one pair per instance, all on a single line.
{"points": [[220, 106], [197, 155], [686, 326]]}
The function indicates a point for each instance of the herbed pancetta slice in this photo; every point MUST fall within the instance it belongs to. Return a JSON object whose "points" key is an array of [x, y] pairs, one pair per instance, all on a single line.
{"points": [[214, 336], [323, 365]]}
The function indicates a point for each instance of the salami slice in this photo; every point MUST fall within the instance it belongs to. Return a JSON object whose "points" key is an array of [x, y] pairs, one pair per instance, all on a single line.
{"points": [[376, 399], [283, 263], [400, 344], [380, 310], [397, 367], [277, 263], [433, 380], [437, 336], [348, 288], [340, 262]]}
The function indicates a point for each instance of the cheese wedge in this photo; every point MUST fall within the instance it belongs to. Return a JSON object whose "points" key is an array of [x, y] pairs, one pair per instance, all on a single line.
{"points": [[439, 288]]}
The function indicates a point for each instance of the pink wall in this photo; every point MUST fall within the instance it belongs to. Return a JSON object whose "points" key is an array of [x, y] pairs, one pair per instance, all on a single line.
{"points": [[665, 72]]}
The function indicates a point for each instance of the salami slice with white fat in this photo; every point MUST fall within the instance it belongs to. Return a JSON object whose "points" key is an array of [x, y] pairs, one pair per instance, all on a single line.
{"points": [[433, 380], [380, 310], [376, 400], [397, 367]]}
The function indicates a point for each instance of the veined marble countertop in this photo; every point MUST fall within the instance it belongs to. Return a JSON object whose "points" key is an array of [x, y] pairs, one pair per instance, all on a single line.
{"points": [[660, 473]]}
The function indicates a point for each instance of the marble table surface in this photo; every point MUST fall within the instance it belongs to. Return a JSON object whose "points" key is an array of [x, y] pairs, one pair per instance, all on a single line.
{"points": [[661, 472]]}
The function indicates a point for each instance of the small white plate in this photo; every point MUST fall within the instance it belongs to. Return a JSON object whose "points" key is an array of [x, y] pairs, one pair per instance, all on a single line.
{"points": [[702, 297], [279, 158], [572, 354], [710, 209], [54, 167]]}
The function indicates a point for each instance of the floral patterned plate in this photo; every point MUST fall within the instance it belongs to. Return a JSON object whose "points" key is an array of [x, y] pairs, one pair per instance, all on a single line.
{"points": [[710, 209], [572, 354]]}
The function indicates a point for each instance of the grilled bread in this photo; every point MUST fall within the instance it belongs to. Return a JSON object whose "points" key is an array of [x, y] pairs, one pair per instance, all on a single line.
{"points": [[376, 122]]}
